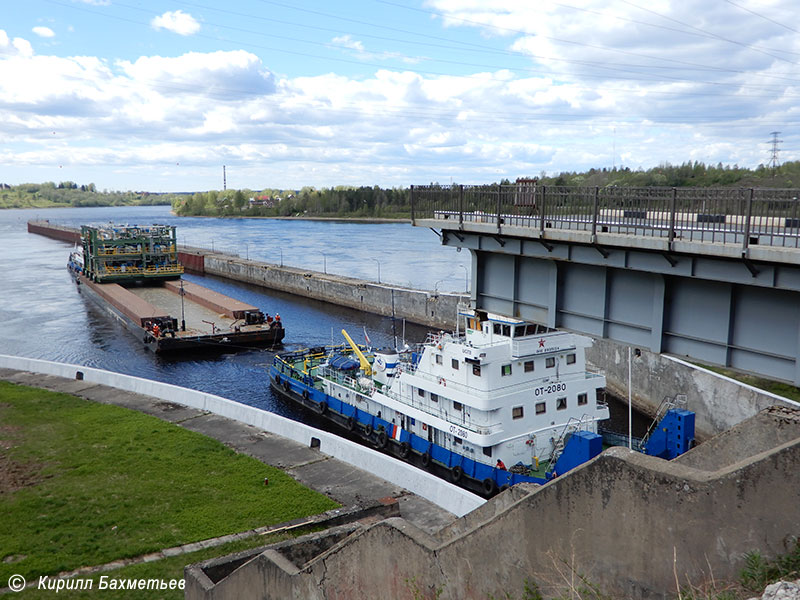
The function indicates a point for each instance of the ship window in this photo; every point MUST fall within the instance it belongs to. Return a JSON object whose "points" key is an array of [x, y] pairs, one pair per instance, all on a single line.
{"points": [[519, 330], [507, 330], [561, 404], [498, 328], [454, 363], [570, 359], [438, 359], [601, 397], [582, 399], [528, 366], [540, 408], [457, 440], [517, 412], [476, 370], [421, 392], [488, 451], [550, 362], [505, 370], [457, 405], [434, 397]]}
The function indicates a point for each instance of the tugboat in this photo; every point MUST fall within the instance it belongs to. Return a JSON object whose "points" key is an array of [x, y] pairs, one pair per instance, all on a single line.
{"points": [[507, 392]]}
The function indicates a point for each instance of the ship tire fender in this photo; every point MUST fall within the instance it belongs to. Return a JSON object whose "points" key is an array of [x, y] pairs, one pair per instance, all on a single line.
{"points": [[383, 439], [322, 408], [426, 458], [504, 487], [351, 423], [489, 486], [305, 394], [286, 385], [368, 430], [405, 449], [456, 473]]}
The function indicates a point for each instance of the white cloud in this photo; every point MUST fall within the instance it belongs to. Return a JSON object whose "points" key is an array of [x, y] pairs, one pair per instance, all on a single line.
{"points": [[348, 42], [176, 21], [44, 32], [15, 47]]}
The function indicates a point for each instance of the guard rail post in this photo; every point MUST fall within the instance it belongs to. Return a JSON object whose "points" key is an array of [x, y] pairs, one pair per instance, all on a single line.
{"points": [[541, 212], [499, 196], [749, 212], [594, 213], [461, 206], [672, 210], [411, 193]]}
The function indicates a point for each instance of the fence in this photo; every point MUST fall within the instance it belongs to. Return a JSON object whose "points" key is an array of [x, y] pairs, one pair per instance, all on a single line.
{"points": [[717, 215]]}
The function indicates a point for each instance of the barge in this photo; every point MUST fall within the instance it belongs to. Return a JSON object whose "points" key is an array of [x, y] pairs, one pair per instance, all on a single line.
{"points": [[134, 274], [508, 402]]}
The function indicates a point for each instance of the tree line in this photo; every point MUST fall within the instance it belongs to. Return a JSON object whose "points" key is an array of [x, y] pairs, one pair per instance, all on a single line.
{"points": [[377, 202], [71, 194]]}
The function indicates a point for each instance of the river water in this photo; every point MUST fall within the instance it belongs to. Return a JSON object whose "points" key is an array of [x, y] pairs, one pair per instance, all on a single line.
{"points": [[42, 315]]}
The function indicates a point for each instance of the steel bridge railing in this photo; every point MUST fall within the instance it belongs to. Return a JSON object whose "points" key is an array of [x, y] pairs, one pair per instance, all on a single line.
{"points": [[741, 216]]}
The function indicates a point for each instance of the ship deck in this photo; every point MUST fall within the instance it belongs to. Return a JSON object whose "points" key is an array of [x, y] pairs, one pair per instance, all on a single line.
{"points": [[199, 319]]}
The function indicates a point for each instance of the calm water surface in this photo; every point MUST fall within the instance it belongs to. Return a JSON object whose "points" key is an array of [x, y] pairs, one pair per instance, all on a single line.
{"points": [[43, 315]]}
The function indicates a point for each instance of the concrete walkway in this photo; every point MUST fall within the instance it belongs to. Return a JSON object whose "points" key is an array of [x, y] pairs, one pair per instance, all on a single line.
{"points": [[348, 485]]}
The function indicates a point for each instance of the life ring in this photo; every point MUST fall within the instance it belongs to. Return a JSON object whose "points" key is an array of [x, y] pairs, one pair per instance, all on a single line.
{"points": [[368, 430], [426, 459], [456, 473], [383, 439], [489, 486], [322, 407], [442, 381], [351, 424], [405, 449]]}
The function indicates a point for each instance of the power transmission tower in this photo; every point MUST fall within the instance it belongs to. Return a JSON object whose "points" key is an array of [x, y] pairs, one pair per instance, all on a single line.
{"points": [[774, 159]]}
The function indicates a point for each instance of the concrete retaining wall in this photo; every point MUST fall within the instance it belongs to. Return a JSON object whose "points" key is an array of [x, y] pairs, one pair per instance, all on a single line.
{"points": [[718, 402], [629, 524], [438, 491], [426, 308]]}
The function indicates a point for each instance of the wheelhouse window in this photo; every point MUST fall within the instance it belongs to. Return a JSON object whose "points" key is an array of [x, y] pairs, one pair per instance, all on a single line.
{"points": [[528, 366], [420, 392], [583, 399], [517, 412], [561, 403], [454, 363], [519, 331], [540, 408], [434, 397], [505, 370], [507, 330], [457, 440], [570, 359], [457, 405], [476, 370], [438, 359], [550, 362], [498, 329]]}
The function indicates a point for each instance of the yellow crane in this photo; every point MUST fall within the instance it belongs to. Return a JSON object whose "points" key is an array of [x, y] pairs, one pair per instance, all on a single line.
{"points": [[365, 366]]}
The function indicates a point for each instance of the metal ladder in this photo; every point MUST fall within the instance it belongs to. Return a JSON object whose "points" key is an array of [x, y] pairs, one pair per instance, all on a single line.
{"points": [[679, 400]]}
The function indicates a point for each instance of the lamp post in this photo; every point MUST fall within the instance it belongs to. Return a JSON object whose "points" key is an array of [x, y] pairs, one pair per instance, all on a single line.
{"points": [[247, 251], [436, 287], [379, 269], [324, 263], [281, 249], [183, 319], [466, 279]]}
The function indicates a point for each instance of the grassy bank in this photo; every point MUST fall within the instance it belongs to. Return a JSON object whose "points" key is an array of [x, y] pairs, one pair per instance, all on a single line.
{"points": [[84, 484]]}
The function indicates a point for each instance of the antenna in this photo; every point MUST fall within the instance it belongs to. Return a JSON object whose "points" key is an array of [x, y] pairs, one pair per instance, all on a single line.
{"points": [[224, 179], [773, 161]]}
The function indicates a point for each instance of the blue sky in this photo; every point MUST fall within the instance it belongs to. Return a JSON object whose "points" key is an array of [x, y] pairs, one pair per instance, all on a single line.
{"points": [[159, 95]]}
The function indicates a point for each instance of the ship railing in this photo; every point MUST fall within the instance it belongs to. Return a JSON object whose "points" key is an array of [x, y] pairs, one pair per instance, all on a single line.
{"points": [[585, 423], [451, 417], [345, 380], [507, 389]]}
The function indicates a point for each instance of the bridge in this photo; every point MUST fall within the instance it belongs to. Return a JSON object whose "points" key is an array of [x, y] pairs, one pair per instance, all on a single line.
{"points": [[712, 274]]}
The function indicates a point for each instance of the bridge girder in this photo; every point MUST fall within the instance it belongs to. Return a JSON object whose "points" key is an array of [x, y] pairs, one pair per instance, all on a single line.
{"points": [[726, 311]]}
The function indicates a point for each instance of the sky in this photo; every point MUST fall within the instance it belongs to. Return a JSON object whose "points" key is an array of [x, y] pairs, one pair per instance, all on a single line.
{"points": [[159, 96]]}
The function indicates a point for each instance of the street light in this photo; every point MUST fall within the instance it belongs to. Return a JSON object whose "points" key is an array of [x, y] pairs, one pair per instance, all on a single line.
{"points": [[324, 263], [379, 269], [436, 287], [466, 278], [247, 250], [281, 249], [183, 319]]}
